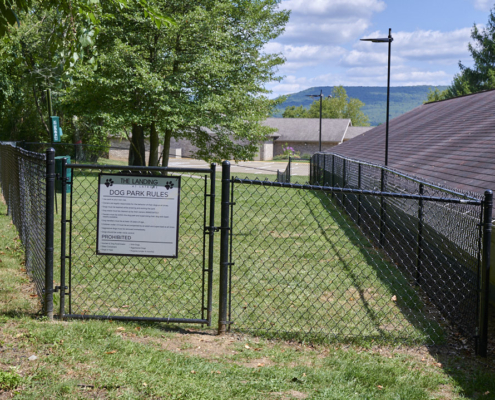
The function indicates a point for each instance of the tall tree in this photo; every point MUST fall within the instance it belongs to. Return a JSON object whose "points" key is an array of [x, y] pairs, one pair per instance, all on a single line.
{"points": [[481, 76], [337, 106], [202, 79]]}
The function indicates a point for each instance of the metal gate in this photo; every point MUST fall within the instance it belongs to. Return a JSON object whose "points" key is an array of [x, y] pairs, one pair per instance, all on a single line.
{"points": [[319, 262], [140, 288]]}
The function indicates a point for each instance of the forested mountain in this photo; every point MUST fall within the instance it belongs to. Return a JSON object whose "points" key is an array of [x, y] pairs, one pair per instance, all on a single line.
{"points": [[402, 99]]}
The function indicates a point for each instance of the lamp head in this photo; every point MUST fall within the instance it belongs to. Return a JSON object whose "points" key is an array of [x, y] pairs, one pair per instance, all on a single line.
{"points": [[388, 39]]}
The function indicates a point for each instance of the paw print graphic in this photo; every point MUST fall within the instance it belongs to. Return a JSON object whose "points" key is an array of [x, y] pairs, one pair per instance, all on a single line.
{"points": [[169, 185], [109, 182]]}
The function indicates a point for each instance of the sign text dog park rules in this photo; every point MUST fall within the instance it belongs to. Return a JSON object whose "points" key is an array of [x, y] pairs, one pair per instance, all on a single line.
{"points": [[138, 215]]}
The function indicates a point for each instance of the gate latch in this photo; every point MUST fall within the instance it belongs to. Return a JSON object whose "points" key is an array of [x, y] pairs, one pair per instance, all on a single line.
{"points": [[57, 288], [212, 229]]}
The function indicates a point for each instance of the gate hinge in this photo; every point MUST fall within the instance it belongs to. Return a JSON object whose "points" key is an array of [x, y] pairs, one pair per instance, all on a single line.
{"points": [[57, 288], [59, 177]]}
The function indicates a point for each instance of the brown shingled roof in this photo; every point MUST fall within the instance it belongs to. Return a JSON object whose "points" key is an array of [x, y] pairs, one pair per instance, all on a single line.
{"points": [[450, 142]]}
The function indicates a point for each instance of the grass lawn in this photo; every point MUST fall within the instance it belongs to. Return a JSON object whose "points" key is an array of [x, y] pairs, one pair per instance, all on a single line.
{"points": [[104, 359]]}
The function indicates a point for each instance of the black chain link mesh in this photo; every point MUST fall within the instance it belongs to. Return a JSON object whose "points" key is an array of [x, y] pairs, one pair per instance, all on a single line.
{"points": [[23, 182], [138, 286], [435, 245], [77, 152]]}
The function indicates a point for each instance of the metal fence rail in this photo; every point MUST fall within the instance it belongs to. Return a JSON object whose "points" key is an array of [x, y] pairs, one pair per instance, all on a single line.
{"points": [[438, 245], [284, 176], [23, 183]]}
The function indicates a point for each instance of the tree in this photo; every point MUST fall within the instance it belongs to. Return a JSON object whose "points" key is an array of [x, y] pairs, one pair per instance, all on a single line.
{"points": [[482, 75], [337, 106], [202, 79], [42, 44], [295, 112]]}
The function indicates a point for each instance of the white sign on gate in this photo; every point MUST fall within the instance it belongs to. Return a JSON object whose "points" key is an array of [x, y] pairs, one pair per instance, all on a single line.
{"points": [[138, 215]]}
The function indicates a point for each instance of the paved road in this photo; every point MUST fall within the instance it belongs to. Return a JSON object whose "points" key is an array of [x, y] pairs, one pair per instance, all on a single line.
{"points": [[247, 167]]}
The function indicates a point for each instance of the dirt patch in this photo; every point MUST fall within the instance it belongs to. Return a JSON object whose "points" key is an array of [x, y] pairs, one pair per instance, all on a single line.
{"points": [[291, 394]]}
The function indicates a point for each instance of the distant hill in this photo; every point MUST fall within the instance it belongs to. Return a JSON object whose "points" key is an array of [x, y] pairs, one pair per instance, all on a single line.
{"points": [[402, 99]]}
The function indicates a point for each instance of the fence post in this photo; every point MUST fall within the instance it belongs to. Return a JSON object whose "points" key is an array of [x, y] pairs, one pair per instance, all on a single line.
{"points": [[288, 177], [324, 169], [420, 235], [344, 177], [49, 224], [63, 228], [383, 214], [311, 173], [224, 248], [211, 240], [485, 274], [332, 177], [359, 196]]}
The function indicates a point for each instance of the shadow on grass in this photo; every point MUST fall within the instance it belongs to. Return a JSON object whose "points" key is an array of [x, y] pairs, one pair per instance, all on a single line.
{"points": [[407, 297], [474, 375]]}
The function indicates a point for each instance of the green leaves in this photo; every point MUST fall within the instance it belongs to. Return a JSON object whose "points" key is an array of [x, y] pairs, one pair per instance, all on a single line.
{"points": [[337, 106]]}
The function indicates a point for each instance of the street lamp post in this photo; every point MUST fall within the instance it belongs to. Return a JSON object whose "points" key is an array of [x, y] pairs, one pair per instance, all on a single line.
{"points": [[321, 102], [383, 205], [388, 40]]}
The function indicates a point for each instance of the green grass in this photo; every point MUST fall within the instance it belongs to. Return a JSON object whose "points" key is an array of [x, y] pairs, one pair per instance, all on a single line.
{"points": [[104, 359]]}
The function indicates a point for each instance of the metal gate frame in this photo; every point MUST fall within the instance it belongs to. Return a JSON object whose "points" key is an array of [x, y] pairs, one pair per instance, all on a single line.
{"points": [[485, 229], [208, 231]]}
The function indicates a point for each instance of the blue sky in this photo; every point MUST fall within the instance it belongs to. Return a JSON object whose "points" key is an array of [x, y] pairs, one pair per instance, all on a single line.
{"points": [[322, 48]]}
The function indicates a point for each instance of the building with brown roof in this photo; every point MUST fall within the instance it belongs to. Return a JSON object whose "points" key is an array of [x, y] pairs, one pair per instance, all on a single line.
{"points": [[303, 134], [449, 142]]}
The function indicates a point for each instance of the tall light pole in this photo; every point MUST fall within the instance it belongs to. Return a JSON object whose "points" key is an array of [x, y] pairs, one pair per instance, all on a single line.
{"points": [[388, 40], [321, 101], [383, 205]]}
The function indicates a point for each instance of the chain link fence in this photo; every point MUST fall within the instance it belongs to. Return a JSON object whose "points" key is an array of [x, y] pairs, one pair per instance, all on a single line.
{"points": [[437, 245], [303, 268], [23, 183], [77, 152]]}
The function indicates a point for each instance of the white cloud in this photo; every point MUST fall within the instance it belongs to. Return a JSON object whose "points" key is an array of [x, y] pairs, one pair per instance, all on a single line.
{"points": [[399, 76], [424, 46], [342, 8], [304, 56], [328, 21], [322, 47], [483, 5]]}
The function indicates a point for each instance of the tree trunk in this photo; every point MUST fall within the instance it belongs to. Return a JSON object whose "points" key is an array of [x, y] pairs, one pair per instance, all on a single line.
{"points": [[136, 148], [166, 147], [154, 143]]}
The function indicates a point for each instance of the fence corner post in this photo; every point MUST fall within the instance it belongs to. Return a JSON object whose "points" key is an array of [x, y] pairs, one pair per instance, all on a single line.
{"points": [[485, 275], [49, 225], [224, 248]]}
